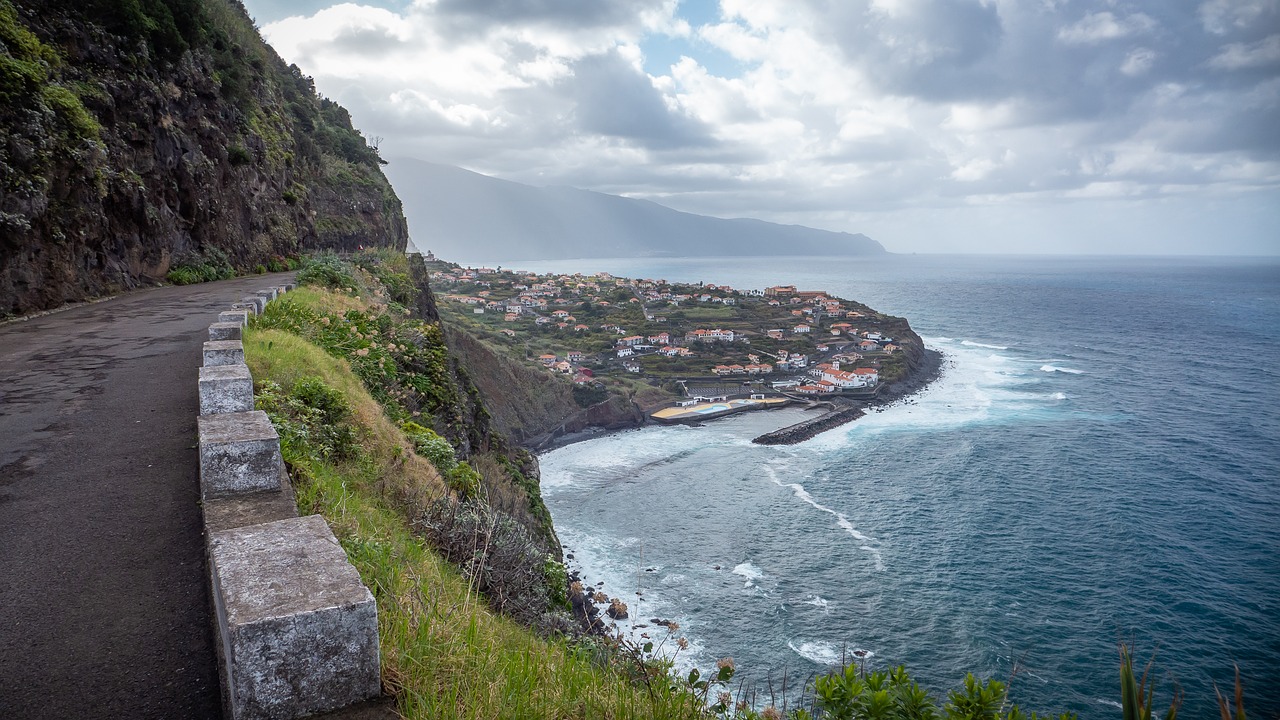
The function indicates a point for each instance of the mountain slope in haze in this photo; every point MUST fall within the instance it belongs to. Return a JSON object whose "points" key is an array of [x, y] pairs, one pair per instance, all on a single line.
{"points": [[458, 213]]}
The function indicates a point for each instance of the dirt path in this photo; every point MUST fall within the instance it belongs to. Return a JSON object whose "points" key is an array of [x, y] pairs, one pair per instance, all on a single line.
{"points": [[103, 598]]}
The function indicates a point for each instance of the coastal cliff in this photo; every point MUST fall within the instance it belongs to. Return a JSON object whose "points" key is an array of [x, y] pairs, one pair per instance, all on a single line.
{"points": [[139, 138]]}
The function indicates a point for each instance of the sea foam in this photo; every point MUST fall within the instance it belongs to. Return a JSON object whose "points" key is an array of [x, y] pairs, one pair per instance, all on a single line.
{"points": [[1055, 368], [970, 343], [748, 571], [822, 652]]}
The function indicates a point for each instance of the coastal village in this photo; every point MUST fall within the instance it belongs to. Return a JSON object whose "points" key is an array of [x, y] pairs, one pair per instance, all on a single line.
{"points": [[715, 349]]}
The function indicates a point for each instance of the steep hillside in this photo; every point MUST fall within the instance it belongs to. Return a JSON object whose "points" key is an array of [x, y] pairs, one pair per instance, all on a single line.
{"points": [[139, 136], [460, 214]]}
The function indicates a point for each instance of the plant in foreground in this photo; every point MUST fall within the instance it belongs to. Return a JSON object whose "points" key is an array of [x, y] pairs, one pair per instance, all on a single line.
{"points": [[1137, 696]]}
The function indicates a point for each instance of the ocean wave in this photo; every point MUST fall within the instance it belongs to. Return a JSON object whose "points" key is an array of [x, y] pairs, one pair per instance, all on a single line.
{"points": [[748, 571], [798, 491], [1056, 368], [1059, 396], [827, 653], [970, 343], [819, 602]]}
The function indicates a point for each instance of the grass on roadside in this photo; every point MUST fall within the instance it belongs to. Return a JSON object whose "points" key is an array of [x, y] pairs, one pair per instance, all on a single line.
{"points": [[445, 654]]}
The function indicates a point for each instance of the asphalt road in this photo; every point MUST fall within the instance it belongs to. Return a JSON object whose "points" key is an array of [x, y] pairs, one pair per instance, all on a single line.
{"points": [[104, 604]]}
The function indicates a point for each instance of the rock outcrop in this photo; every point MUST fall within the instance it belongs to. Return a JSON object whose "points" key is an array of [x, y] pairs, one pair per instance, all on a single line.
{"points": [[137, 137]]}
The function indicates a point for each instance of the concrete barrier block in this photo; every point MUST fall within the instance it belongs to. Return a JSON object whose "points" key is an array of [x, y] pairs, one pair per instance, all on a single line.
{"points": [[223, 352], [267, 294], [259, 302], [298, 630], [225, 389], [289, 287], [252, 307], [235, 315], [239, 452], [233, 511], [225, 331]]}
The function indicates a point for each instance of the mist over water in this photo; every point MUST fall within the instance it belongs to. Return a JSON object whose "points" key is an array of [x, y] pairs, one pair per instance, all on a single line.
{"points": [[1098, 463]]}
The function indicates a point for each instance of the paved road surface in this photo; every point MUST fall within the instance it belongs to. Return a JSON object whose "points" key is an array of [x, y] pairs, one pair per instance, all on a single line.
{"points": [[104, 609]]}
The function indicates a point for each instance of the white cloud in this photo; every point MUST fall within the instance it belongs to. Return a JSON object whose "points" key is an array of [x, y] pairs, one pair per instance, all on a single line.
{"points": [[1238, 56], [1224, 16], [1096, 27], [834, 114], [1138, 62]]}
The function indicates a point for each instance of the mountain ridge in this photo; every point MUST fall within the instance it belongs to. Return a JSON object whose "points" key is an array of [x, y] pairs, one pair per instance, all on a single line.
{"points": [[447, 209]]}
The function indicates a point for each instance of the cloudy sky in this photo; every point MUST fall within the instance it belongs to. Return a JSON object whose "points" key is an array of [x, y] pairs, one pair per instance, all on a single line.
{"points": [[1060, 126]]}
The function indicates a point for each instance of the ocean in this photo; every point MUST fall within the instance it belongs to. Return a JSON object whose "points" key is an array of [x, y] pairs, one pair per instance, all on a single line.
{"points": [[1100, 462]]}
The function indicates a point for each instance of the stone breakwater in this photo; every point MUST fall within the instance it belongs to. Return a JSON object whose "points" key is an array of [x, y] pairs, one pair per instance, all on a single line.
{"points": [[802, 431]]}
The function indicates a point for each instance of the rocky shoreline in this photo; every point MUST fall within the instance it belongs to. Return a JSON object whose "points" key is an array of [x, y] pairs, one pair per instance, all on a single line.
{"points": [[840, 415]]}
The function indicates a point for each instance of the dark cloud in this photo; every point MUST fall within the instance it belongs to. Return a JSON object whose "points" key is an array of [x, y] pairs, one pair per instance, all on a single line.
{"points": [[610, 97], [1059, 63]]}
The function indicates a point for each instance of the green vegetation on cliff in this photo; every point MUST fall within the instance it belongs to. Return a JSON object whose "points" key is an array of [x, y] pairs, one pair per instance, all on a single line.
{"points": [[147, 136]]}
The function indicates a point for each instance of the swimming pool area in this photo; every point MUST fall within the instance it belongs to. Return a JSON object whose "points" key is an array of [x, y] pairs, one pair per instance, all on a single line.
{"points": [[715, 408]]}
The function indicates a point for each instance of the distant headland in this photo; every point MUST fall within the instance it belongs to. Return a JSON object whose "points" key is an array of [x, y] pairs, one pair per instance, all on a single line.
{"points": [[678, 352]]}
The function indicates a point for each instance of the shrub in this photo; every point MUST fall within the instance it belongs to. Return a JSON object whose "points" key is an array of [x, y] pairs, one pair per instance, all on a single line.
{"points": [[430, 445], [312, 419], [391, 269], [496, 553], [184, 276], [326, 270], [463, 480], [238, 155], [191, 268]]}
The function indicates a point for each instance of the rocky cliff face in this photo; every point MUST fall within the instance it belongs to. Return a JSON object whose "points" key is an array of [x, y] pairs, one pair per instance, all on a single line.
{"points": [[138, 136]]}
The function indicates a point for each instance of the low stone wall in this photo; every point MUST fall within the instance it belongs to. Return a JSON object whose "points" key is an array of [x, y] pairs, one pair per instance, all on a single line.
{"points": [[297, 630]]}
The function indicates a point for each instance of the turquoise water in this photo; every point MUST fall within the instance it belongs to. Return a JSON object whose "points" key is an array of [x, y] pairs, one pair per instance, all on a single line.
{"points": [[1099, 463]]}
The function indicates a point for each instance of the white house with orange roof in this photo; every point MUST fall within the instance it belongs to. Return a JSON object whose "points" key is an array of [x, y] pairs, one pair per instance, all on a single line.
{"points": [[869, 375]]}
